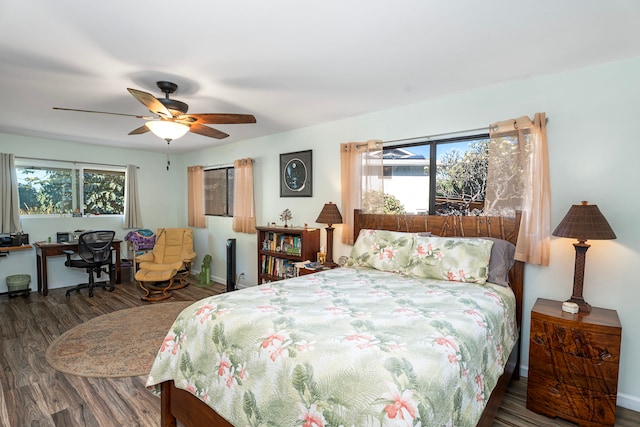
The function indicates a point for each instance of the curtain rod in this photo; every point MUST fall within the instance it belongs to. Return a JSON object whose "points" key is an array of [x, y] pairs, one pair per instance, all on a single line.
{"points": [[220, 166], [482, 129], [224, 165], [72, 161], [485, 129]]}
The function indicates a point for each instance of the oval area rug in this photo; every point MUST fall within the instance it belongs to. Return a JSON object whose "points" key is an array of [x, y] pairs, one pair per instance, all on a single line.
{"points": [[119, 344]]}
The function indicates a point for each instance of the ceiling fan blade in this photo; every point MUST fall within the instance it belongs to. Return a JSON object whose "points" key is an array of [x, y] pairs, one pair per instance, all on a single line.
{"points": [[105, 112], [218, 119], [142, 129], [151, 102], [207, 131]]}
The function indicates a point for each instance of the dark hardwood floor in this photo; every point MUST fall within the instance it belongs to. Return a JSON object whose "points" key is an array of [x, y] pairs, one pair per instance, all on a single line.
{"points": [[34, 394]]}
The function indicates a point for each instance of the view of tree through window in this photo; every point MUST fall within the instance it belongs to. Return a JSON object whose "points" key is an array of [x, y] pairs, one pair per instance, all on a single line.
{"points": [[103, 191], [218, 191], [442, 177], [55, 191], [461, 179]]}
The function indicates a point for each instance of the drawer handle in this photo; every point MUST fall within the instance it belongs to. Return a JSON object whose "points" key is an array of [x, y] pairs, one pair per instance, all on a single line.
{"points": [[604, 355], [538, 340]]}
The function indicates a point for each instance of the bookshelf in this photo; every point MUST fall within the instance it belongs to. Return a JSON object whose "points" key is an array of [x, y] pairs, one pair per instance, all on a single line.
{"points": [[279, 248]]}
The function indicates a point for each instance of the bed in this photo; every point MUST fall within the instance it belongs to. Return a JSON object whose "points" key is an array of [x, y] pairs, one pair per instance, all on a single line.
{"points": [[353, 345]]}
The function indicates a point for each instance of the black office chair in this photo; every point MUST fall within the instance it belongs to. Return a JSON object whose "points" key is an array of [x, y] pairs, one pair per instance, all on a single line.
{"points": [[94, 248]]}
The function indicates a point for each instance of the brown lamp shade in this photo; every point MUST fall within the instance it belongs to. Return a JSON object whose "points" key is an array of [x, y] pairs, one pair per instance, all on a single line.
{"points": [[329, 215], [584, 222]]}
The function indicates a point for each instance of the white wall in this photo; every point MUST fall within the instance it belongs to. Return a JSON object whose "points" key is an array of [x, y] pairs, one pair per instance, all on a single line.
{"points": [[160, 199], [593, 139], [594, 150]]}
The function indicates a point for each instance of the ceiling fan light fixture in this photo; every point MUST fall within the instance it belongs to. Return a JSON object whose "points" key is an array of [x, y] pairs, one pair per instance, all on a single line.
{"points": [[170, 119], [166, 129]]}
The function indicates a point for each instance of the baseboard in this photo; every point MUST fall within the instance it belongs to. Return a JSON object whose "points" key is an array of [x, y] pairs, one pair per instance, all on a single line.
{"points": [[628, 401], [623, 400], [223, 280]]}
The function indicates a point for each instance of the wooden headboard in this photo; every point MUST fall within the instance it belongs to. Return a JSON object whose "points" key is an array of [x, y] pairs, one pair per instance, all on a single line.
{"points": [[500, 227]]}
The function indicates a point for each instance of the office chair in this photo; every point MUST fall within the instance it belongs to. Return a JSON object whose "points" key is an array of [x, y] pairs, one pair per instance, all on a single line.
{"points": [[94, 248]]}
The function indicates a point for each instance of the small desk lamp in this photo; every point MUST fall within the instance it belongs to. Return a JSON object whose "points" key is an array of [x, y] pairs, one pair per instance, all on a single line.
{"points": [[329, 215], [583, 222]]}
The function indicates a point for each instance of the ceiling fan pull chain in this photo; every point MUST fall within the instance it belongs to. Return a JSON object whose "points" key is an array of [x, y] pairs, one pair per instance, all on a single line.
{"points": [[168, 159]]}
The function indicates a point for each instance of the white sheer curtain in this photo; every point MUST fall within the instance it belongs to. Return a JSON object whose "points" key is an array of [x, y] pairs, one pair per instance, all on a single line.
{"points": [[518, 179], [195, 203], [132, 217], [244, 210], [362, 183], [9, 208]]}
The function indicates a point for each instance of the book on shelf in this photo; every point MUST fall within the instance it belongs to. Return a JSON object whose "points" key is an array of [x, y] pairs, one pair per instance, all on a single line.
{"points": [[278, 267], [282, 242]]}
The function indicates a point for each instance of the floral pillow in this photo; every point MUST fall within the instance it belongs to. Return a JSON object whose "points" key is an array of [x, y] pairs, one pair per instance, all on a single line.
{"points": [[381, 249], [450, 258]]}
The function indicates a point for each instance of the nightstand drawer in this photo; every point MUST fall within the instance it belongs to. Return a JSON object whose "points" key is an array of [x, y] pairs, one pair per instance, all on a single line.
{"points": [[573, 370], [553, 398], [595, 346]]}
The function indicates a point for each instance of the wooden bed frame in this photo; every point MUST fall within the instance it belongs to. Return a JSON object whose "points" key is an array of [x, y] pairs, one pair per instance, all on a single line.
{"points": [[192, 412]]}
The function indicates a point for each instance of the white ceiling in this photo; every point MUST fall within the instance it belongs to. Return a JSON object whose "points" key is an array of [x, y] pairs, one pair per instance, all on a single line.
{"points": [[291, 63]]}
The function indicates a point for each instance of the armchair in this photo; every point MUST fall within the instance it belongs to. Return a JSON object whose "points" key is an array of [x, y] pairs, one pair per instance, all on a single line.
{"points": [[170, 260]]}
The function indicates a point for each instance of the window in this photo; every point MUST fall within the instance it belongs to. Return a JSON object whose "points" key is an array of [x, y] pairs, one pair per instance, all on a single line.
{"points": [[56, 190], [103, 191], [438, 177], [218, 191]]}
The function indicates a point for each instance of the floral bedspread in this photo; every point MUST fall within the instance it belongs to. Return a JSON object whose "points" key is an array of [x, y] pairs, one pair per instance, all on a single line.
{"points": [[345, 347]]}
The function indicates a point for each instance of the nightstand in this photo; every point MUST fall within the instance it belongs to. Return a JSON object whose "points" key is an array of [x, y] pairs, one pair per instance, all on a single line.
{"points": [[573, 363]]}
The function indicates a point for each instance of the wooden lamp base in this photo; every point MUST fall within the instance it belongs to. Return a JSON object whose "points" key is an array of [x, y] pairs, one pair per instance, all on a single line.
{"points": [[578, 277]]}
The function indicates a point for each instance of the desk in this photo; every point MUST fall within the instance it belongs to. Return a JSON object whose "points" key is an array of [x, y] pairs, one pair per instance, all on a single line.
{"points": [[44, 250], [4, 251]]}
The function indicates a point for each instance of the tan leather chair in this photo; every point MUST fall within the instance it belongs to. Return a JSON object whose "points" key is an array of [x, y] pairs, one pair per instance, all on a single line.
{"points": [[170, 260]]}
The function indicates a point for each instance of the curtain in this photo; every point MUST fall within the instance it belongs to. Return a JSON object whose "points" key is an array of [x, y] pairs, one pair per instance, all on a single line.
{"points": [[362, 183], [195, 175], [518, 179], [244, 211], [132, 218], [10, 209]]}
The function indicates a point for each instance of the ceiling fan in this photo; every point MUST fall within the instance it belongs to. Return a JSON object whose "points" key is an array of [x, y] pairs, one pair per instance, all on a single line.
{"points": [[170, 120]]}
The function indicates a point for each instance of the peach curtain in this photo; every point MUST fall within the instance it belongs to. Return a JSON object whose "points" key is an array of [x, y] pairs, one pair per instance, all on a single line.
{"points": [[518, 179], [362, 183], [244, 213], [196, 196]]}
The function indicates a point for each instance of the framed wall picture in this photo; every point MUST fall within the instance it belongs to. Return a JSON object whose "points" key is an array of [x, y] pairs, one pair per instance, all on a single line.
{"points": [[296, 174]]}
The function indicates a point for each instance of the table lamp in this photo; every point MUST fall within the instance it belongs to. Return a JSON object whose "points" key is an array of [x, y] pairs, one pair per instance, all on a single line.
{"points": [[583, 222], [329, 215]]}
